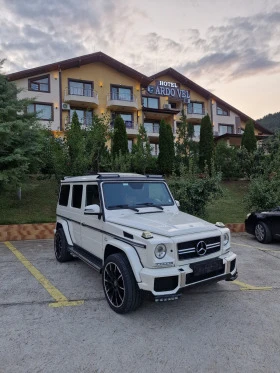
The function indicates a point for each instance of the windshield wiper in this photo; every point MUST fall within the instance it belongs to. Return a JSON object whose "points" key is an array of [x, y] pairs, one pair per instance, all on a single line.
{"points": [[123, 207], [149, 204]]}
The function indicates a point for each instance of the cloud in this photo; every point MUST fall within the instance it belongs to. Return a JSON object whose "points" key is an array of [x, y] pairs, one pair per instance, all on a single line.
{"points": [[42, 32], [242, 47]]}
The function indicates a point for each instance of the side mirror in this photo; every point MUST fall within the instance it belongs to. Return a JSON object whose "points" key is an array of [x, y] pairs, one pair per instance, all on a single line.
{"points": [[177, 203], [92, 210]]}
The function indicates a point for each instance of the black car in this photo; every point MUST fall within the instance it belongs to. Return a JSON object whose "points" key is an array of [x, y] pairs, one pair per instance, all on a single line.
{"points": [[265, 226]]}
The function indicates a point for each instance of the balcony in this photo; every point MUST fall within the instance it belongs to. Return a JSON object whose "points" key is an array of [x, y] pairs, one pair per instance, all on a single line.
{"points": [[195, 114], [152, 129], [76, 96], [131, 127], [117, 100], [84, 122]]}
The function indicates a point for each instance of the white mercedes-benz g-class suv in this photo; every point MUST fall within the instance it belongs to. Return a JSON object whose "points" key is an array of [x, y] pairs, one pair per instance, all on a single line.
{"points": [[129, 228]]}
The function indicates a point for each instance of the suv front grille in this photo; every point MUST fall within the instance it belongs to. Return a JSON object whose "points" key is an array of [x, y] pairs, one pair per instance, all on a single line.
{"points": [[187, 250]]}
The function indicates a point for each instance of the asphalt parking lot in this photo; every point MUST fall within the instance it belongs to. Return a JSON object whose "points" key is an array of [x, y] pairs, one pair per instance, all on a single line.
{"points": [[229, 326]]}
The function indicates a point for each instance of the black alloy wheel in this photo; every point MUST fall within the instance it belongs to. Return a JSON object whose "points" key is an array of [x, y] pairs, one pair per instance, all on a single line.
{"points": [[60, 247], [120, 287]]}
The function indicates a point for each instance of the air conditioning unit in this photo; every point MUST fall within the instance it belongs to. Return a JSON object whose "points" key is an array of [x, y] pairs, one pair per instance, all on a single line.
{"points": [[167, 106], [65, 106]]}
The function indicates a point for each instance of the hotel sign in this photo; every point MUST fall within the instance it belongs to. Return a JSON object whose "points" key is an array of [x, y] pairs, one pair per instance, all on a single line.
{"points": [[164, 88]]}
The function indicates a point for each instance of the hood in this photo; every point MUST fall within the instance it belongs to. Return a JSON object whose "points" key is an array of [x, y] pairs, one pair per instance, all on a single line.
{"points": [[164, 223]]}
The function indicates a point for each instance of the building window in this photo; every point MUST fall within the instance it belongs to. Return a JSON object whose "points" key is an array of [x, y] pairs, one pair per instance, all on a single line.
{"points": [[150, 102], [154, 149], [225, 128], [196, 130], [43, 111], [127, 118], [85, 116], [196, 108], [121, 93], [130, 144], [151, 126], [80, 88], [39, 84], [222, 111]]}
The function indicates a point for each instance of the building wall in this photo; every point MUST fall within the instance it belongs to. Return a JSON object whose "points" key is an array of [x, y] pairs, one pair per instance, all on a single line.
{"points": [[103, 77], [44, 97]]}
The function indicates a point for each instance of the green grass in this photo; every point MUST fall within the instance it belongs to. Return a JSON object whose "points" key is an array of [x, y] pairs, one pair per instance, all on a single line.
{"points": [[37, 205], [230, 208], [39, 199]]}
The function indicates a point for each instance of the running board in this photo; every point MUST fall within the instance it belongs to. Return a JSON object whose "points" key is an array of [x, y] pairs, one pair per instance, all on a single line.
{"points": [[86, 257]]}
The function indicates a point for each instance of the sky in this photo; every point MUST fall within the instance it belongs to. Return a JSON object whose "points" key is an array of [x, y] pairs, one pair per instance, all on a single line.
{"points": [[229, 47]]}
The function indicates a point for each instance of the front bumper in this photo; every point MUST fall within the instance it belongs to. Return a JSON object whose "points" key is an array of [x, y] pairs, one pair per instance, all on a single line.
{"points": [[168, 281]]}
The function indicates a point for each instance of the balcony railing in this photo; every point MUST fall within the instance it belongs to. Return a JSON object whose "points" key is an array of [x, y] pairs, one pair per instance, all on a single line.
{"points": [[128, 124], [84, 122], [76, 91], [192, 110], [151, 128], [75, 94], [122, 99]]}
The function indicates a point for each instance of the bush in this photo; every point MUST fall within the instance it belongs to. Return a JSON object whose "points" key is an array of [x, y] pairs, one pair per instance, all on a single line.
{"points": [[227, 161], [194, 192], [263, 194]]}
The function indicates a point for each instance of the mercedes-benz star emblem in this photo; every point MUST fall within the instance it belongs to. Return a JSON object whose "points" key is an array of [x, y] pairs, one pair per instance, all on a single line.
{"points": [[201, 248]]}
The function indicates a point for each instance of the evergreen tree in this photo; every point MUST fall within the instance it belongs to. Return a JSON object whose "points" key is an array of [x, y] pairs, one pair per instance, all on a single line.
{"points": [[249, 140], [78, 160], [96, 139], [206, 144], [184, 144], [119, 139], [166, 148], [141, 152], [20, 136]]}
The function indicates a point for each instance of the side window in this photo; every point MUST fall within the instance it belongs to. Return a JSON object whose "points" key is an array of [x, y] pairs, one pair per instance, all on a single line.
{"points": [[64, 195], [77, 194], [92, 195]]}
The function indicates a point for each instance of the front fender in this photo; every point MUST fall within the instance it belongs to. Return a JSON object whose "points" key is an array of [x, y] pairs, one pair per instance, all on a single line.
{"points": [[65, 227], [131, 254]]}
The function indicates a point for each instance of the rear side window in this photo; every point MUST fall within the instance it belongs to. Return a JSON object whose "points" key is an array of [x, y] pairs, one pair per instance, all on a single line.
{"points": [[64, 195], [77, 194]]}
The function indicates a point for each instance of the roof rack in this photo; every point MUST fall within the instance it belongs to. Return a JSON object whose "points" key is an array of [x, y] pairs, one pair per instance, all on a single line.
{"points": [[107, 176], [155, 176]]}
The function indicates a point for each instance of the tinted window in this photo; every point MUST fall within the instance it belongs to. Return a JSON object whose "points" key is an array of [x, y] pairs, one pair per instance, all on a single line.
{"points": [[77, 196], [92, 195], [64, 195]]}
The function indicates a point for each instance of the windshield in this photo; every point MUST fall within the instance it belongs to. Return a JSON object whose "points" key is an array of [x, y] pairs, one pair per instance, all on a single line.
{"points": [[118, 195]]}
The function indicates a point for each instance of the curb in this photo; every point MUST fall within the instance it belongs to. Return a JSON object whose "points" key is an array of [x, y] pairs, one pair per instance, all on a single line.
{"points": [[19, 232]]}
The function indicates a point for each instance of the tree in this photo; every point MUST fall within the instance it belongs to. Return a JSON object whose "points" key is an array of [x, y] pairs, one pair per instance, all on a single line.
{"points": [[119, 139], [206, 143], [141, 152], [227, 161], [20, 136], [184, 145], [78, 160], [249, 140], [166, 148], [96, 138]]}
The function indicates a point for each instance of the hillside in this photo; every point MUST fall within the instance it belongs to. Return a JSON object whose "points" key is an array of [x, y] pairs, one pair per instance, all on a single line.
{"points": [[270, 121]]}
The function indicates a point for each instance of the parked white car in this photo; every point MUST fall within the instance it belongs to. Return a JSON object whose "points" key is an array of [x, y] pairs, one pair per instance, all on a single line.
{"points": [[129, 228]]}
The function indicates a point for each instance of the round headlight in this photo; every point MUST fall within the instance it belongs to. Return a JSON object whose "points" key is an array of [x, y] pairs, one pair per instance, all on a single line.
{"points": [[160, 251], [226, 239]]}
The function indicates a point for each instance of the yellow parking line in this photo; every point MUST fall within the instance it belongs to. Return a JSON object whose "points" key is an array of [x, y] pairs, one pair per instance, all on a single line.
{"points": [[60, 299], [255, 247], [244, 286]]}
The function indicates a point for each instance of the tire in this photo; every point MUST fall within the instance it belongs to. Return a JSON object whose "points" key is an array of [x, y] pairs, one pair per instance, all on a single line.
{"points": [[60, 247], [262, 232], [120, 287]]}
